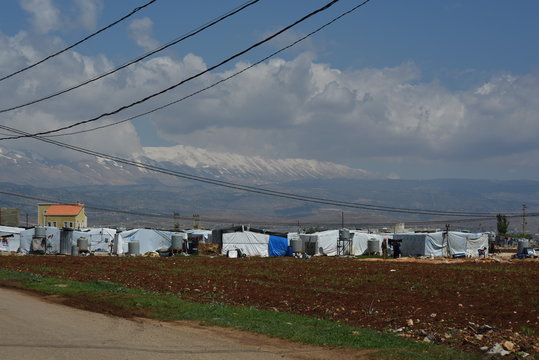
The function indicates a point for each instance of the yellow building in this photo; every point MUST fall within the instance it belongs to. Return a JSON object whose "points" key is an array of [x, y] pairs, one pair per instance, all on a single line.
{"points": [[71, 216]]}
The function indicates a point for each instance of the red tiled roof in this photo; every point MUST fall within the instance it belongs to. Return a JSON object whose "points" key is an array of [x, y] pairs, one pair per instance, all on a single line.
{"points": [[64, 210]]}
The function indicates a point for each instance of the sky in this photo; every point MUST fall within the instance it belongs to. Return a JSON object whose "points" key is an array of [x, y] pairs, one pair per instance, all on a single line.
{"points": [[415, 89]]}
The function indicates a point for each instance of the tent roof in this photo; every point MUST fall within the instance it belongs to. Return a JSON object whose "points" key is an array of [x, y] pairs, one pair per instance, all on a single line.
{"points": [[64, 209]]}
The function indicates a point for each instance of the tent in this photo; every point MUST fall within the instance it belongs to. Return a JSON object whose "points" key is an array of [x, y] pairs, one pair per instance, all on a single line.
{"points": [[206, 234], [321, 243], [438, 244], [51, 240], [99, 239], [250, 243], [361, 240], [148, 239], [10, 238]]}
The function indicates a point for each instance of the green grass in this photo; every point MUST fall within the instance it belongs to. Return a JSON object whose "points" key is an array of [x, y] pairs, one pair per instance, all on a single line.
{"points": [[169, 307]]}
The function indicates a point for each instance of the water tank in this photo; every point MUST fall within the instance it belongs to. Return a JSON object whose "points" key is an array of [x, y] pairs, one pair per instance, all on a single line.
{"points": [[344, 234], [40, 232], [373, 246], [298, 245], [133, 248], [74, 250], [82, 244], [177, 242], [521, 245]]}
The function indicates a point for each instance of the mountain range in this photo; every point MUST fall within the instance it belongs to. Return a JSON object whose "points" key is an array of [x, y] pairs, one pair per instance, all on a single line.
{"points": [[33, 169], [101, 183]]}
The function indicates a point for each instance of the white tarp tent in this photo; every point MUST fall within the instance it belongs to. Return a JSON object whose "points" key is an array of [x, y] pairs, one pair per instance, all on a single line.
{"points": [[206, 234], [10, 238], [326, 242], [52, 240], [99, 239], [360, 242], [250, 243], [148, 239], [437, 244]]}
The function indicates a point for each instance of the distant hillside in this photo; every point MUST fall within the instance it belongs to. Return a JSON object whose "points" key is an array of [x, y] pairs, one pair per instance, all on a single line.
{"points": [[33, 169], [222, 206]]}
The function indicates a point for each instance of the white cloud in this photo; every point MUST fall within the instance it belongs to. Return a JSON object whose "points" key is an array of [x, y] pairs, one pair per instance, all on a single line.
{"points": [[141, 32], [284, 109], [88, 10], [45, 16]]}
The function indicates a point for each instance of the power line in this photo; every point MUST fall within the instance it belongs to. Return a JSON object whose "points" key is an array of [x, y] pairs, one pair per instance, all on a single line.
{"points": [[323, 8], [137, 9], [218, 82], [214, 220], [252, 189], [140, 58]]}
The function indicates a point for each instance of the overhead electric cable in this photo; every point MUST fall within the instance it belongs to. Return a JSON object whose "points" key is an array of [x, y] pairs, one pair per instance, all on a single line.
{"points": [[137, 9], [252, 189], [140, 58], [122, 108], [210, 219], [218, 82]]}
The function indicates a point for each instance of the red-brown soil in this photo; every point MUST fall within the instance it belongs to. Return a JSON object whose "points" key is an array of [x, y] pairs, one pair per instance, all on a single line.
{"points": [[464, 304]]}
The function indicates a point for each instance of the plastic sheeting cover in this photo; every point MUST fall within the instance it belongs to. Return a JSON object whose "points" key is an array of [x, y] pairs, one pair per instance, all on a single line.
{"points": [[11, 238], [148, 239], [434, 244], [52, 236], [250, 243], [277, 246]]}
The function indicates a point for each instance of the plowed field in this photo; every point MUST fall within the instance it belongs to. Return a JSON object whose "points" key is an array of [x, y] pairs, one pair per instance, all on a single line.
{"points": [[464, 304]]}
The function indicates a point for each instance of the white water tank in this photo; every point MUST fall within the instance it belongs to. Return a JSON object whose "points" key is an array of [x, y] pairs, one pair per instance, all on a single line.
{"points": [[373, 246], [133, 248], [82, 244]]}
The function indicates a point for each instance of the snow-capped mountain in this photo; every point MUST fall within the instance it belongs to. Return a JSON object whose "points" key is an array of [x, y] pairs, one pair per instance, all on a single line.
{"points": [[32, 169], [229, 165]]}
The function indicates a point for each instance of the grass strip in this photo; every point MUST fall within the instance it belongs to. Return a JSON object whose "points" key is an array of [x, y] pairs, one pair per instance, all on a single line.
{"points": [[112, 298]]}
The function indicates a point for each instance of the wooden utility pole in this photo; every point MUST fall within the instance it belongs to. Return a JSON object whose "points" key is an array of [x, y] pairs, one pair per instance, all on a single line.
{"points": [[524, 220], [176, 217]]}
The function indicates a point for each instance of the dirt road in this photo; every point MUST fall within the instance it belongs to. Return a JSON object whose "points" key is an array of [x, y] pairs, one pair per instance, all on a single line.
{"points": [[39, 329]]}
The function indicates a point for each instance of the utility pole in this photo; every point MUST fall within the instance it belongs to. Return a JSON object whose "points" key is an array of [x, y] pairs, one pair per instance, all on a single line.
{"points": [[445, 240], [176, 217], [196, 221], [342, 219], [524, 221]]}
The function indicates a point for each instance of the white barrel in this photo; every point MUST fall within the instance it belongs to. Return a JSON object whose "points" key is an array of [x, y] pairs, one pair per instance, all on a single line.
{"points": [[298, 245], [133, 248], [40, 232], [373, 246], [177, 242], [82, 244], [521, 245]]}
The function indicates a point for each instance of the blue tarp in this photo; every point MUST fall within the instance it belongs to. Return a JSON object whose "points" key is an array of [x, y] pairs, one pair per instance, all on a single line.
{"points": [[277, 246]]}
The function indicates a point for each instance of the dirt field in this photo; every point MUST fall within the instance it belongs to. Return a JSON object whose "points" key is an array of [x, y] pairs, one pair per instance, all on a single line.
{"points": [[466, 304]]}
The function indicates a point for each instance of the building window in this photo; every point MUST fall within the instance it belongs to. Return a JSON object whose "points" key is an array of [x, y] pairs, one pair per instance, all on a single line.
{"points": [[49, 223], [54, 223], [71, 225]]}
